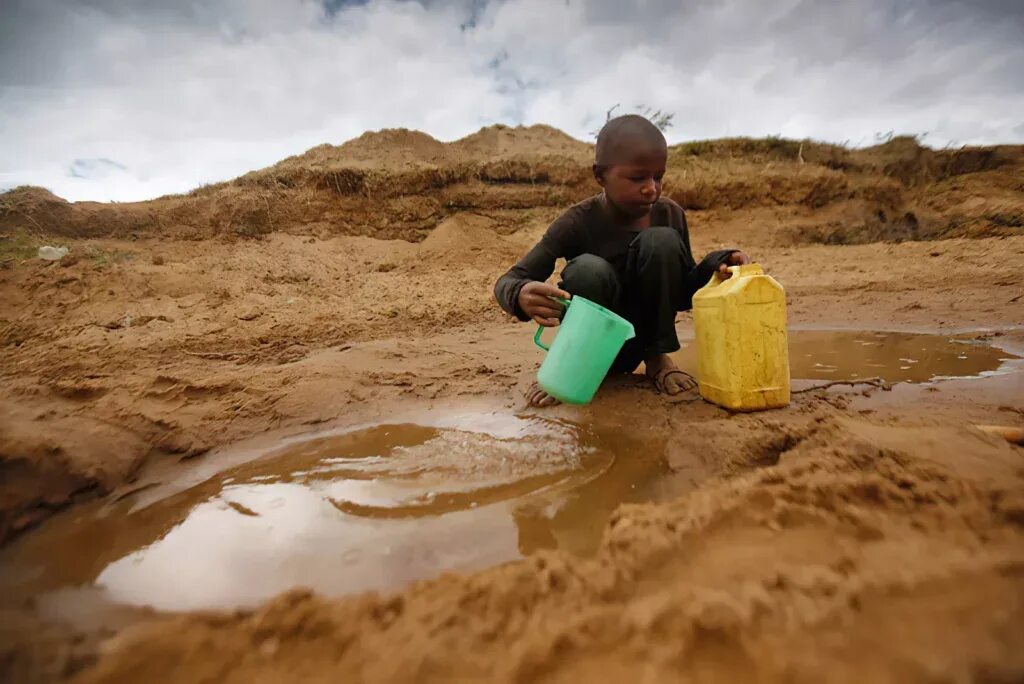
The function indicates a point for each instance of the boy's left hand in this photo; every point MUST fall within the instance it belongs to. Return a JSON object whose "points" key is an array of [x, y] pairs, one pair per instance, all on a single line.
{"points": [[735, 259]]}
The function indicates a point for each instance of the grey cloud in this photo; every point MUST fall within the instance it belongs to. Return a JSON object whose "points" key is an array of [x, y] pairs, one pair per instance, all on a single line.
{"points": [[332, 7], [181, 93], [94, 168]]}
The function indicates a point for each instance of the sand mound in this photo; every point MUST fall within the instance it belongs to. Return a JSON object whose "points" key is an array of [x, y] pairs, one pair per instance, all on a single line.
{"points": [[37, 207], [386, 147], [30, 196], [538, 141], [391, 149], [460, 234], [401, 184], [399, 149]]}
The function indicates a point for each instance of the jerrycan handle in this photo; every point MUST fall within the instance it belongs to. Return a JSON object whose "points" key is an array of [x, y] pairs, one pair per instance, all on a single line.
{"points": [[540, 328], [737, 271]]}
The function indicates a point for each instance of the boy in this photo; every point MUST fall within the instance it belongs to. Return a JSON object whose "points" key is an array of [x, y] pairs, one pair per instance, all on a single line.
{"points": [[628, 249]]}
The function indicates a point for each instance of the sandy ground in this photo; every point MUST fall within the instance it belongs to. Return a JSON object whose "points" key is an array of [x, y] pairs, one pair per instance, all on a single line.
{"points": [[851, 537]]}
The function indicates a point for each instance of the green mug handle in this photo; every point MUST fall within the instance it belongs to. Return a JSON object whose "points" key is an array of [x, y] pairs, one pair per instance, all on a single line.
{"points": [[540, 328]]}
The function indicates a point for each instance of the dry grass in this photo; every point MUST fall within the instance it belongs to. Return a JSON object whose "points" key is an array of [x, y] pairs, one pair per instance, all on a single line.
{"points": [[19, 246]]}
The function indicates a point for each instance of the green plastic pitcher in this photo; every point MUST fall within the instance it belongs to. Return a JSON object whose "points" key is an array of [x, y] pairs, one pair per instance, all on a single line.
{"points": [[589, 338]]}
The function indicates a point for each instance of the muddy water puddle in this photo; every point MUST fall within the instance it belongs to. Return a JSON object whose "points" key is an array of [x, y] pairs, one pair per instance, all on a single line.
{"points": [[379, 506], [372, 508], [893, 356]]}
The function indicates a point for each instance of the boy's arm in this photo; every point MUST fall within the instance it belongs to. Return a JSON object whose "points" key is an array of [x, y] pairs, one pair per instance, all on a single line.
{"points": [[699, 276], [701, 273], [537, 264]]}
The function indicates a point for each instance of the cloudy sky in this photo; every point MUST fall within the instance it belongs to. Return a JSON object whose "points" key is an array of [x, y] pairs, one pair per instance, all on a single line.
{"points": [[120, 100]]}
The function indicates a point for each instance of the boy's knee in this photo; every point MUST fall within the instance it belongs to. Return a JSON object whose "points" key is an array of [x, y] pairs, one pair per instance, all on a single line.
{"points": [[588, 266], [658, 244], [659, 238], [591, 277]]}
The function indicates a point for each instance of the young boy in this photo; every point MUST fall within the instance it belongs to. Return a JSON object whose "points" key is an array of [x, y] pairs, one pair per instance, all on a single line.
{"points": [[628, 249]]}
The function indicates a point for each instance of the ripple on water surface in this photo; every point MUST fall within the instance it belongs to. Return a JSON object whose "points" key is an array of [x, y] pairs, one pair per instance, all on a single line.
{"points": [[373, 508]]}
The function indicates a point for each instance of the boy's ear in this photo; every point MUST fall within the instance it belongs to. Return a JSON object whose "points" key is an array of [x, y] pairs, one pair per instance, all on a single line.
{"points": [[599, 174]]}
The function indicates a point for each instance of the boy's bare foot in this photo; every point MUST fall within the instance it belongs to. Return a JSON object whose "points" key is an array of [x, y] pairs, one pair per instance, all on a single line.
{"points": [[537, 397], [661, 369], [667, 377]]}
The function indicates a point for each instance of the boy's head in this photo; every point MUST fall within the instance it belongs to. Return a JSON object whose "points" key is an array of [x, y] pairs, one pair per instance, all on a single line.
{"points": [[629, 163]]}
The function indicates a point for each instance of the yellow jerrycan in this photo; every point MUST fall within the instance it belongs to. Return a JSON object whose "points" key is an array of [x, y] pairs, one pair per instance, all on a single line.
{"points": [[742, 347]]}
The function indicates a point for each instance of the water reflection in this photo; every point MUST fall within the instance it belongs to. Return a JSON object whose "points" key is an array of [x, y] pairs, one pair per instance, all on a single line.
{"points": [[371, 509], [896, 357]]}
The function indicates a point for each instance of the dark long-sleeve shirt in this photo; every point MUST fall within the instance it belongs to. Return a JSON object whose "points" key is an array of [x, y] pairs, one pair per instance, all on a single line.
{"points": [[586, 228]]}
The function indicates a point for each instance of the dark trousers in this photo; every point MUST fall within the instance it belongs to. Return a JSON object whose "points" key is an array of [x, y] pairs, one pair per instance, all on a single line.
{"points": [[648, 294]]}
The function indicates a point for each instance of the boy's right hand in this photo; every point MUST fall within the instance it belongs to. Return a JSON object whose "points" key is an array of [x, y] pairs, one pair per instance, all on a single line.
{"points": [[535, 301]]}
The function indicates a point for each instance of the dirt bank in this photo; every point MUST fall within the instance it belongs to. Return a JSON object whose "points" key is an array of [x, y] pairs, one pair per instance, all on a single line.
{"points": [[850, 538]]}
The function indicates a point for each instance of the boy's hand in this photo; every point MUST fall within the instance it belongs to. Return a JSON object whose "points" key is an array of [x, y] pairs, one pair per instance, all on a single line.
{"points": [[535, 301], [735, 259]]}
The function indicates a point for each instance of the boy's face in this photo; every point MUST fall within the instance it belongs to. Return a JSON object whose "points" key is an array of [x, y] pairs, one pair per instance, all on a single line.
{"points": [[633, 185]]}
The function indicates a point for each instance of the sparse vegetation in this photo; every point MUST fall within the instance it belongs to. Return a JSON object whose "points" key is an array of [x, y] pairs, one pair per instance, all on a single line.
{"points": [[106, 257], [661, 119], [17, 246]]}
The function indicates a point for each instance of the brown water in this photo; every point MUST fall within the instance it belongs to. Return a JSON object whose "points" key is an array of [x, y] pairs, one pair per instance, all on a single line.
{"points": [[373, 508], [379, 506], [895, 357]]}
